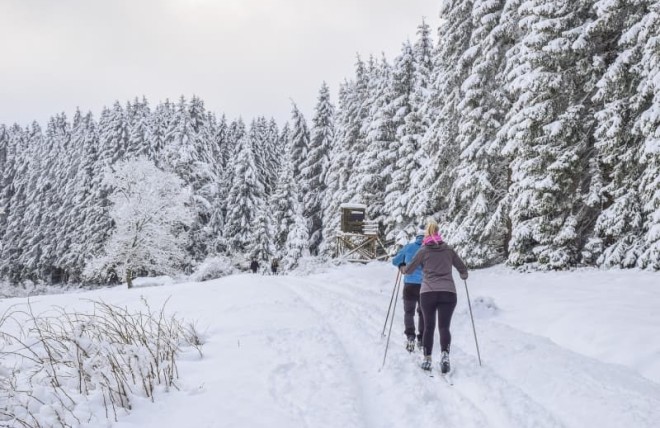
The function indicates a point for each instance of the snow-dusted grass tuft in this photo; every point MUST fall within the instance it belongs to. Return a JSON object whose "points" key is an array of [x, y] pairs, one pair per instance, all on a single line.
{"points": [[57, 366]]}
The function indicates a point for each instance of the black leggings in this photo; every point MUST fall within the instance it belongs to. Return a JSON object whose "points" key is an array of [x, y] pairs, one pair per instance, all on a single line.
{"points": [[444, 303]]}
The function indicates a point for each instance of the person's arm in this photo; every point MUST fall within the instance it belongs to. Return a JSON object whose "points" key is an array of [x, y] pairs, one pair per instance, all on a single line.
{"points": [[459, 265], [415, 262], [399, 258]]}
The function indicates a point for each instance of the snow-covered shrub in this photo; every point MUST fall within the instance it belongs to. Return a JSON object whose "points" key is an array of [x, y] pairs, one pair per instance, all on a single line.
{"points": [[213, 267], [59, 368]]}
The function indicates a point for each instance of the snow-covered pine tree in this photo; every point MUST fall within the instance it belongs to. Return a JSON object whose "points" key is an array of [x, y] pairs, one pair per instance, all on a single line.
{"points": [[374, 165], [114, 133], [261, 247], [438, 154], [315, 166], [92, 201], [615, 166], [5, 164], [139, 134], [411, 77], [478, 233], [281, 203], [218, 143], [297, 240], [648, 126], [299, 140], [51, 200], [274, 158], [69, 213], [15, 202], [348, 145], [188, 153], [150, 210], [547, 135], [258, 134], [159, 123], [244, 200], [229, 153]]}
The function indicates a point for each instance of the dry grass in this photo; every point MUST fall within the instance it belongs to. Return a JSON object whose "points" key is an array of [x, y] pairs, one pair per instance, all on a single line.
{"points": [[61, 358]]}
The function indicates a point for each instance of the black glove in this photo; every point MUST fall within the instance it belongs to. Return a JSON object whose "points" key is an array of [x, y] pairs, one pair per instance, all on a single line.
{"points": [[402, 264], [464, 276]]}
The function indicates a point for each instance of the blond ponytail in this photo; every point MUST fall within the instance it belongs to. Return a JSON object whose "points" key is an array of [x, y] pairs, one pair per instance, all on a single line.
{"points": [[431, 227]]}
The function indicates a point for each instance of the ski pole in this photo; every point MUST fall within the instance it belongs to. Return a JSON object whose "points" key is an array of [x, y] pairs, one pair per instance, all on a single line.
{"points": [[398, 284], [398, 274], [474, 330]]}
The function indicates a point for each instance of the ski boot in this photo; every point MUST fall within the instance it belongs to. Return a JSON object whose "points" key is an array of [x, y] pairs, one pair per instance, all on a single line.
{"points": [[410, 344], [445, 367], [426, 363]]}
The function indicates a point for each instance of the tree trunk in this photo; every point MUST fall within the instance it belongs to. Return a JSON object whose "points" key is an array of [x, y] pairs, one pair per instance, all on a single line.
{"points": [[129, 278]]}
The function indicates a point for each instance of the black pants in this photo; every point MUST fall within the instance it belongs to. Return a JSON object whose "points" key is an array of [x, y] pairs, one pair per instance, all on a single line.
{"points": [[410, 303], [443, 303]]}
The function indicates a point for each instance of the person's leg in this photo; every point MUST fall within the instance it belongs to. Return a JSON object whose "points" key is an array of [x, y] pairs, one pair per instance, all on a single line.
{"points": [[420, 316], [446, 306], [409, 303], [429, 307]]}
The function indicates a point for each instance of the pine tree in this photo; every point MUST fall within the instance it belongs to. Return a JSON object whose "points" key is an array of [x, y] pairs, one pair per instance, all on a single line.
{"points": [[547, 133], [297, 242], [430, 183], [349, 143], [139, 134], [258, 134], [244, 200], [114, 134], [299, 138], [648, 126], [188, 153], [315, 166], [476, 231], [374, 166], [15, 203], [615, 166]]}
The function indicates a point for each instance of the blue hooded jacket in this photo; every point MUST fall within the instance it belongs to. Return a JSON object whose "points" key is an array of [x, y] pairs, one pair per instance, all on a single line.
{"points": [[405, 256]]}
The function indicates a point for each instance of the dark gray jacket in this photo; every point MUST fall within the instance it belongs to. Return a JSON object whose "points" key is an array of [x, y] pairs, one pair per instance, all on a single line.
{"points": [[436, 261]]}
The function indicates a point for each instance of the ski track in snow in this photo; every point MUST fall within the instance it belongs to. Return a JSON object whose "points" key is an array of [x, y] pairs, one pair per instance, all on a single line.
{"points": [[319, 360], [532, 383], [489, 400]]}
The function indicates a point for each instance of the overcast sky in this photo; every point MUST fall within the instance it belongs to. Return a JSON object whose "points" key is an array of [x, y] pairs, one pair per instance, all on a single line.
{"points": [[242, 57]]}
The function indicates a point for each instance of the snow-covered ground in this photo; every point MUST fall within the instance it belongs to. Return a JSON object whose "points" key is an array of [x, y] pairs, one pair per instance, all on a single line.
{"points": [[568, 349]]}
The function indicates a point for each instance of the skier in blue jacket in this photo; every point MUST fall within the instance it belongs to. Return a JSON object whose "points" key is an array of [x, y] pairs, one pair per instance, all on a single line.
{"points": [[411, 286]]}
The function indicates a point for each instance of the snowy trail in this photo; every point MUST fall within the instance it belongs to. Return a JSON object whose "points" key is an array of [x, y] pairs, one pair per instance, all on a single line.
{"points": [[494, 403], [536, 383], [306, 351]]}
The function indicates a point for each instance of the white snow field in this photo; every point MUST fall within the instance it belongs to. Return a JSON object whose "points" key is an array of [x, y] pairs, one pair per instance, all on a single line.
{"points": [[569, 349]]}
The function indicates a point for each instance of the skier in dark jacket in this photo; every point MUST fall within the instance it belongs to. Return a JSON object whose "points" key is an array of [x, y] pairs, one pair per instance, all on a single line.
{"points": [[273, 266], [438, 292], [411, 286], [254, 265]]}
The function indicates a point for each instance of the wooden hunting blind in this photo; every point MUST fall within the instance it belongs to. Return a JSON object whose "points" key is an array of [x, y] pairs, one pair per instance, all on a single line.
{"points": [[358, 240], [352, 217]]}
